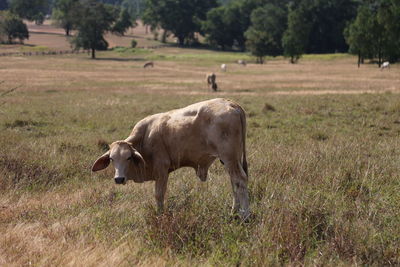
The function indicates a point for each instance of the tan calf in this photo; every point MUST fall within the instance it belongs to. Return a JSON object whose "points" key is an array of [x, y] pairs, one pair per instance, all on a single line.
{"points": [[193, 136]]}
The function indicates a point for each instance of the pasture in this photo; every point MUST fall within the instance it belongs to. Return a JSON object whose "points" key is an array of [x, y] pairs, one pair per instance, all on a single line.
{"points": [[322, 144]]}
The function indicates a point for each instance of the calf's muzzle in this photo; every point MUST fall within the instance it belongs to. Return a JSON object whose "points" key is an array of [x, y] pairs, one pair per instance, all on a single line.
{"points": [[119, 180]]}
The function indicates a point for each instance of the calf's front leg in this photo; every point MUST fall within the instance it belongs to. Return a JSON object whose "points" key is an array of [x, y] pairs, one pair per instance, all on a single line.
{"points": [[160, 189]]}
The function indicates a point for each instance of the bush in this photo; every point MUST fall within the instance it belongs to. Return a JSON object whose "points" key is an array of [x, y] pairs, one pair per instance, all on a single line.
{"points": [[133, 43], [268, 107], [12, 27]]}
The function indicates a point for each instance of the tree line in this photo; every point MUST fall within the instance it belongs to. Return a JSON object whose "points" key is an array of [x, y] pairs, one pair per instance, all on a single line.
{"points": [[367, 28]]}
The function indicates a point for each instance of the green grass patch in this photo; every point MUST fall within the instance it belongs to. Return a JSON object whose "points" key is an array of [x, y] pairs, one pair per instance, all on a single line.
{"points": [[327, 57], [131, 51], [202, 56], [37, 48]]}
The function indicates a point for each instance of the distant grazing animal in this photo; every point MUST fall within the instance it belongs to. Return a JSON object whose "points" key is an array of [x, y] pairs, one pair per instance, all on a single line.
{"points": [[193, 136], [210, 78], [242, 62], [149, 64], [223, 67], [385, 65]]}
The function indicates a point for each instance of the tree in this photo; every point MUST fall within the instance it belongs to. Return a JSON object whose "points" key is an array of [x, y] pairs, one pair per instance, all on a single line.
{"points": [[328, 20], [64, 14], [134, 7], [181, 17], [95, 20], [123, 23], [264, 37], [111, 2], [295, 38], [388, 16], [12, 27], [359, 34], [225, 26], [32, 10], [375, 32], [217, 28], [255, 43]]}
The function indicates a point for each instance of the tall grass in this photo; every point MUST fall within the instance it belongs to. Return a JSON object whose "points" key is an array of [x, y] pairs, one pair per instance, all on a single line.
{"points": [[324, 170], [324, 182]]}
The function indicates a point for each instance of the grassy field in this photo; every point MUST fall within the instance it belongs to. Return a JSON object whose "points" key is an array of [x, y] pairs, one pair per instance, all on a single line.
{"points": [[322, 143]]}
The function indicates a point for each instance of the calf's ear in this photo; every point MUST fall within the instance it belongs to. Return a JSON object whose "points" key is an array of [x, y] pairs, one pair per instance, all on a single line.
{"points": [[102, 162], [136, 156]]}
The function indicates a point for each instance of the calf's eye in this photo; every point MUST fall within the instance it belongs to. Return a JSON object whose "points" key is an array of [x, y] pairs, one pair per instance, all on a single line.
{"points": [[129, 158]]}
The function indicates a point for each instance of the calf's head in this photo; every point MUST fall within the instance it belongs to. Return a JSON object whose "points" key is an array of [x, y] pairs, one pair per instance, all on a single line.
{"points": [[127, 162]]}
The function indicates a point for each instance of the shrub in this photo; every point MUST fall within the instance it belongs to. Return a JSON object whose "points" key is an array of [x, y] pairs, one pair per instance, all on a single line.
{"points": [[268, 107], [12, 27], [133, 43]]}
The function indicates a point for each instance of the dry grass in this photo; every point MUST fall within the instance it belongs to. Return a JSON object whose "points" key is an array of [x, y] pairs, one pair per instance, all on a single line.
{"points": [[324, 166], [118, 71]]}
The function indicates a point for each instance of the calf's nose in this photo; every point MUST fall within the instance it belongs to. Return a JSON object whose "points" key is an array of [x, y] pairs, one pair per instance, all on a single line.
{"points": [[119, 180]]}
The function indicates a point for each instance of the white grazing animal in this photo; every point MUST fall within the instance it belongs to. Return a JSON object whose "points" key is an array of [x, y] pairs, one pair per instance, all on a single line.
{"points": [[242, 62], [385, 65], [223, 67]]}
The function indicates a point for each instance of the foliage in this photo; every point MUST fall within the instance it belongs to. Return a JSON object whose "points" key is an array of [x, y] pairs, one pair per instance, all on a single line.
{"points": [[359, 34], [32, 10], [95, 20], [12, 27], [64, 14], [225, 26], [265, 33], [111, 2], [124, 22], [180, 17], [328, 20], [296, 36], [134, 7], [217, 28], [375, 32], [133, 43]]}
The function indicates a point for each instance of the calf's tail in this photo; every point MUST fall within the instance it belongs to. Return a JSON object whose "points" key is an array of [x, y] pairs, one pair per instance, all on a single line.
{"points": [[243, 122]]}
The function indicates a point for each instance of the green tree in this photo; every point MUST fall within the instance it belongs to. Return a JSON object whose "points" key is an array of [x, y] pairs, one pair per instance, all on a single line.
{"points": [[33, 10], [255, 43], [226, 26], [328, 20], [95, 20], [134, 7], [295, 38], [64, 14], [375, 33], [264, 37], [217, 28], [388, 16], [12, 27], [180, 17], [359, 34], [123, 23]]}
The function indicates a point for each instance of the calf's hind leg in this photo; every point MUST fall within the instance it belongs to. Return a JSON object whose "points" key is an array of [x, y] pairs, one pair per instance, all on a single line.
{"points": [[239, 186]]}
